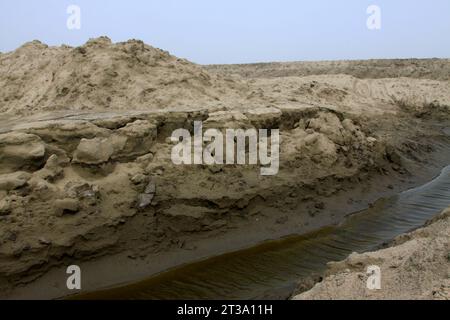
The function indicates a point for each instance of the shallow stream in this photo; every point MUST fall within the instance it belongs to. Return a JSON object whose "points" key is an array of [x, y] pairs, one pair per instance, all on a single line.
{"points": [[253, 272]]}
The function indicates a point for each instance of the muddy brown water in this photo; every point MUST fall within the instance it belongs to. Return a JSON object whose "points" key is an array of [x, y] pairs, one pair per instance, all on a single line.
{"points": [[252, 273]]}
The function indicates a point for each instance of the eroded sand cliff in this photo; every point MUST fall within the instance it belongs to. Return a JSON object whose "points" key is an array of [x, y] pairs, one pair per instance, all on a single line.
{"points": [[85, 167]]}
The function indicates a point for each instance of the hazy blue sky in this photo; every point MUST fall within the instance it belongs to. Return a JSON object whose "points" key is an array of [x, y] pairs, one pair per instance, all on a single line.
{"points": [[233, 31]]}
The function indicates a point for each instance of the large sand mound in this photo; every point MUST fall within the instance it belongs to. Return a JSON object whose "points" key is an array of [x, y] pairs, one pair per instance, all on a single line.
{"points": [[100, 75]]}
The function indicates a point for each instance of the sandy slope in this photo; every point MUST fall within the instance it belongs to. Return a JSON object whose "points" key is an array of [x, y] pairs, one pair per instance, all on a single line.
{"points": [[416, 266]]}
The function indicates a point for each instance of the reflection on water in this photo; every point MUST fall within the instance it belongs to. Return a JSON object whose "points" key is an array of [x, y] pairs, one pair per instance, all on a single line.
{"points": [[248, 274]]}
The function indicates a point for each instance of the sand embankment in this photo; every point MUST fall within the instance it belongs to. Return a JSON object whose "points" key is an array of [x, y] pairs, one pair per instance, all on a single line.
{"points": [[415, 266], [85, 159]]}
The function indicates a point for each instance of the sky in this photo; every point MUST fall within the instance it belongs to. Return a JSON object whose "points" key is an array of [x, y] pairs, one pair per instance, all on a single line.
{"points": [[240, 31]]}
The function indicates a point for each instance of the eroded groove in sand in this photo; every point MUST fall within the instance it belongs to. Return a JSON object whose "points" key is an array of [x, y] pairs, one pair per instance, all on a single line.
{"points": [[261, 271]]}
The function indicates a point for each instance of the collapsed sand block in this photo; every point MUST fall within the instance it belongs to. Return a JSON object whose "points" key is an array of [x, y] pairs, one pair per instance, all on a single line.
{"points": [[227, 120], [20, 151], [93, 151], [137, 137], [264, 117], [5, 207], [330, 125], [66, 206], [51, 170], [129, 142], [14, 180], [64, 134]]}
